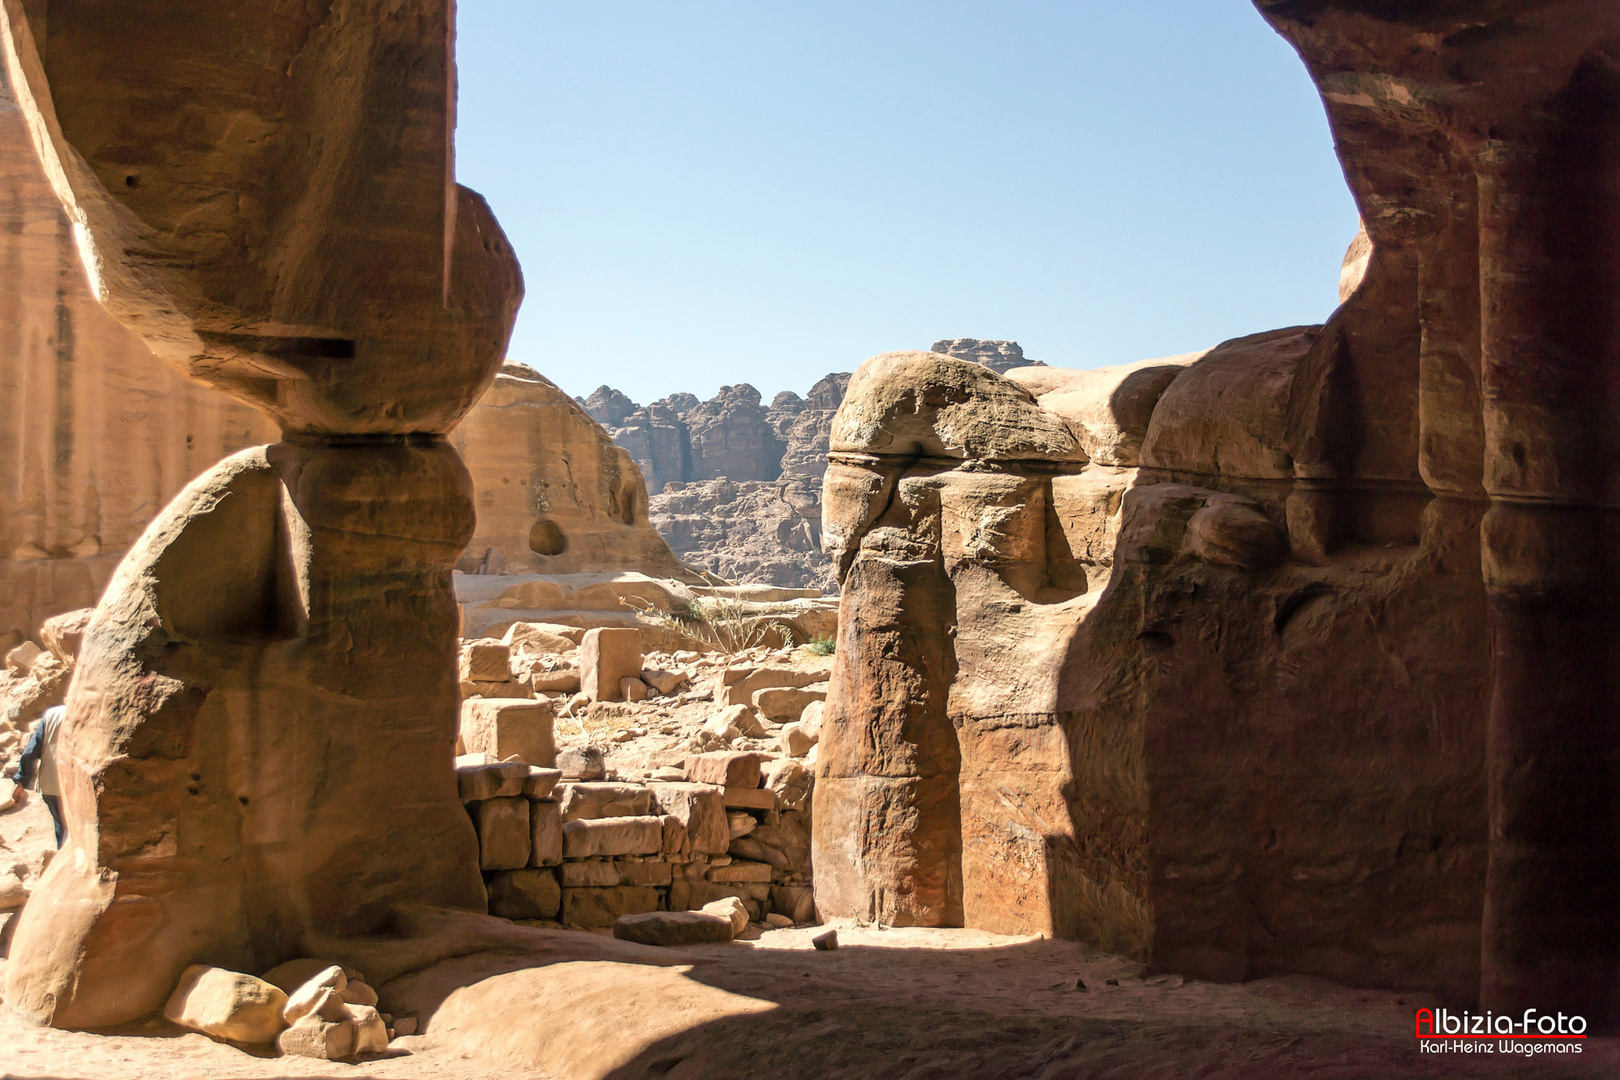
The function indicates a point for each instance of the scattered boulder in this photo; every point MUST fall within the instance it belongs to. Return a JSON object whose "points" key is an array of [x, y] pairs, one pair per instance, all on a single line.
{"points": [[20, 660], [783, 703], [675, 928], [794, 740], [825, 942], [227, 1005], [730, 908], [308, 997], [584, 763]]}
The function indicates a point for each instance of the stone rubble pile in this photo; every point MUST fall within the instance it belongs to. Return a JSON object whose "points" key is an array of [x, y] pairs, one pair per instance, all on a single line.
{"points": [[305, 1007], [719, 807]]}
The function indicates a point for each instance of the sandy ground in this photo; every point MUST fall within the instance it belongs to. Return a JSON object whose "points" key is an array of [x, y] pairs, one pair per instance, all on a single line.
{"points": [[906, 1004]]}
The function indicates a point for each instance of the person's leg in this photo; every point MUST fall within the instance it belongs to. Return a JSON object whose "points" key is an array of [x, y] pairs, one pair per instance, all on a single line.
{"points": [[53, 803]]}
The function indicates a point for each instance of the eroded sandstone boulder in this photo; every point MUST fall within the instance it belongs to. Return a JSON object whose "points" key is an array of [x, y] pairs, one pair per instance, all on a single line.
{"points": [[273, 662]]}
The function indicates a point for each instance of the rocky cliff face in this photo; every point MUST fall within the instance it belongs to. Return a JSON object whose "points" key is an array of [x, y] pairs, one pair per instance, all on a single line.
{"points": [[96, 434], [999, 356]]}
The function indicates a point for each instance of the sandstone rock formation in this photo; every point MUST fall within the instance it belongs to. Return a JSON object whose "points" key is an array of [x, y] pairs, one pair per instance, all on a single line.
{"points": [[553, 494], [1196, 659], [272, 668], [95, 433], [759, 531], [999, 356], [735, 486]]}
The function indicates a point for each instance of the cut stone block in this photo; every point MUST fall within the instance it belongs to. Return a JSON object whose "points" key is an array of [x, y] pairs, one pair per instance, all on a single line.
{"points": [[607, 656], [726, 768], [561, 681], [542, 637], [509, 727], [673, 928], [737, 872], [591, 874], [652, 872], [701, 809], [545, 833], [750, 798], [503, 833], [612, 836], [782, 703], [600, 908], [485, 660], [478, 782], [797, 902], [676, 839], [525, 894], [603, 800]]}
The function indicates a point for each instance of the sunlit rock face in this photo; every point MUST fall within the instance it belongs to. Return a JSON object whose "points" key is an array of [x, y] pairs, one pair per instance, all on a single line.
{"points": [[261, 727], [95, 433], [554, 494], [1313, 674]]}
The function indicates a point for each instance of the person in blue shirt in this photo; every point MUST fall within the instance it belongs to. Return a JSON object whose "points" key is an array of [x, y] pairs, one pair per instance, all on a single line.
{"points": [[39, 756]]}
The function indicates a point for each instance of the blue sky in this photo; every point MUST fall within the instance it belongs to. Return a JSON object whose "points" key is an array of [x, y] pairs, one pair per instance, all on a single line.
{"points": [[710, 193]]}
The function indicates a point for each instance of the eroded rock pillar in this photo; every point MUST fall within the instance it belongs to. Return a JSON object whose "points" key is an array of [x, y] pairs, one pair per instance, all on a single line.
{"points": [[1550, 277], [888, 822]]}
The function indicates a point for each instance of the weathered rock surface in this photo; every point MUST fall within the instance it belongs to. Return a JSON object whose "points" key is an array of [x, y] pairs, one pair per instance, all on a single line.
{"points": [[553, 494], [273, 662], [226, 1005], [999, 356], [96, 434], [1255, 675]]}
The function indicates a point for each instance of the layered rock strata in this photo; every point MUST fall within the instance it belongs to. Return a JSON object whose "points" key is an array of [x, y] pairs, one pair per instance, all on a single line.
{"points": [[264, 196]]}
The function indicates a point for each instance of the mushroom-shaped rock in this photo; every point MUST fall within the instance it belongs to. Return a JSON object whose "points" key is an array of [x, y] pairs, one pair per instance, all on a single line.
{"points": [[916, 404]]}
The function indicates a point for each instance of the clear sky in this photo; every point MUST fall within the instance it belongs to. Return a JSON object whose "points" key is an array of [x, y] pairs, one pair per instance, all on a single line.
{"points": [[708, 193]]}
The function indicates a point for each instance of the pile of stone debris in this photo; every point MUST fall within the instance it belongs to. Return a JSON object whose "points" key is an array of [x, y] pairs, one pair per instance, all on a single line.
{"points": [[605, 784], [306, 1007]]}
